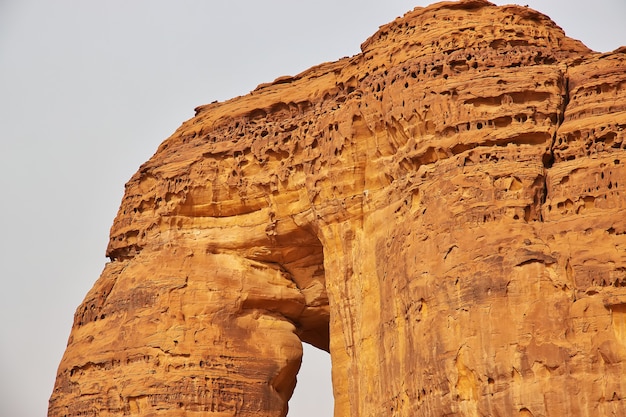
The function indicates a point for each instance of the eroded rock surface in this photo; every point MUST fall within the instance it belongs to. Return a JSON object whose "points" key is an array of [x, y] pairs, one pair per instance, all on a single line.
{"points": [[443, 212]]}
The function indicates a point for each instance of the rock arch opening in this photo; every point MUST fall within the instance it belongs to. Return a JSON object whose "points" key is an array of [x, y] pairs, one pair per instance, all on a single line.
{"points": [[301, 254], [313, 395]]}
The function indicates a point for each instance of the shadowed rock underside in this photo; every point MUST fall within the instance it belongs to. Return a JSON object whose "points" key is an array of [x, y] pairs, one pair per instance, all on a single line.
{"points": [[443, 213]]}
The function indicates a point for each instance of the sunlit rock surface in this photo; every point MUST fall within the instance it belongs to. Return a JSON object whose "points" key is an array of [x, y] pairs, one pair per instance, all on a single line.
{"points": [[444, 213]]}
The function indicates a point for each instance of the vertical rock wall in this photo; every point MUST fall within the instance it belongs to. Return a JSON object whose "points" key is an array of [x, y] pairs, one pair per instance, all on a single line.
{"points": [[442, 212]]}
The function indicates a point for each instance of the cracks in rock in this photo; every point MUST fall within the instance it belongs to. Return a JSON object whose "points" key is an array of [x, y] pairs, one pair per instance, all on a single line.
{"points": [[125, 253], [170, 352], [566, 99], [549, 159], [449, 251]]}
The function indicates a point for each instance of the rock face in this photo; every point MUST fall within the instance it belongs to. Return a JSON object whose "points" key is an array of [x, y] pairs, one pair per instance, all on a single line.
{"points": [[444, 213]]}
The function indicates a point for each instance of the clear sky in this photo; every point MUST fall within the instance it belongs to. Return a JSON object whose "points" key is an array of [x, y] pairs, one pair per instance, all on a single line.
{"points": [[88, 90]]}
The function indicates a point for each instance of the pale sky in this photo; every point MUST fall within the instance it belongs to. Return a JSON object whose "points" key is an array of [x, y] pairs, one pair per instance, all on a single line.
{"points": [[88, 90]]}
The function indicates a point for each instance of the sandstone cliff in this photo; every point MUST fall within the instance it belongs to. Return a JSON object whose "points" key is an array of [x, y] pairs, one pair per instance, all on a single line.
{"points": [[443, 212]]}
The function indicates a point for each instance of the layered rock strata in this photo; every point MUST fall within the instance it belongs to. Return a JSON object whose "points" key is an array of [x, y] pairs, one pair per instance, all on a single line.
{"points": [[443, 212]]}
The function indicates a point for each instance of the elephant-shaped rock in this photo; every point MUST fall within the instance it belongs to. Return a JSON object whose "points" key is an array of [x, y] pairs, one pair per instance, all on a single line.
{"points": [[444, 213]]}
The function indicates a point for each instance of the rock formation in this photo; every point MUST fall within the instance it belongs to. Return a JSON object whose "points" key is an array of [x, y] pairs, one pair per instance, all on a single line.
{"points": [[443, 212]]}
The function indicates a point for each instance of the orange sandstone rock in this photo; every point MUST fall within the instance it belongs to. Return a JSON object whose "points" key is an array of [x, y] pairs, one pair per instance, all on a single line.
{"points": [[443, 212]]}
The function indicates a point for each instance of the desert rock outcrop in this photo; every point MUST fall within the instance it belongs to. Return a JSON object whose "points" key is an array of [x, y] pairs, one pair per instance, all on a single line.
{"points": [[443, 212]]}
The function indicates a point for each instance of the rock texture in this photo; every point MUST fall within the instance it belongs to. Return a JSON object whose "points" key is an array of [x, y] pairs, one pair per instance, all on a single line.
{"points": [[443, 212]]}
